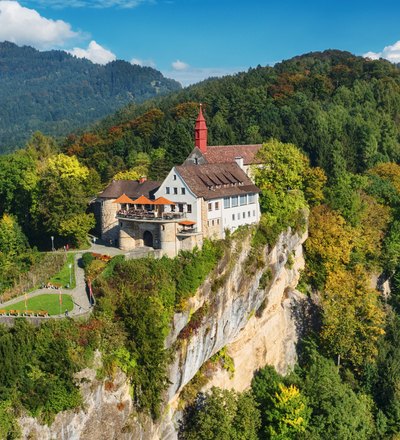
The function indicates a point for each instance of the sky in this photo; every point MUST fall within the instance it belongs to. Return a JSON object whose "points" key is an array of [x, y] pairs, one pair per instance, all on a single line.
{"points": [[190, 40]]}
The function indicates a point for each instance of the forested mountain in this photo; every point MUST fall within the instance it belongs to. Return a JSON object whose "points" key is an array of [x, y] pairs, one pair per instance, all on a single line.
{"points": [[331, 104], [55, 92], [330, 124]]}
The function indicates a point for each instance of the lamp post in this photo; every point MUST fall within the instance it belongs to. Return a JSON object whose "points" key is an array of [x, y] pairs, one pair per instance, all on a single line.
{"points": [[52, 243], [70, 275]]}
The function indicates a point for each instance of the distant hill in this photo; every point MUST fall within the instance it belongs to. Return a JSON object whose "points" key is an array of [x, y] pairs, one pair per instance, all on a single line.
{"points": [[55, 92]]}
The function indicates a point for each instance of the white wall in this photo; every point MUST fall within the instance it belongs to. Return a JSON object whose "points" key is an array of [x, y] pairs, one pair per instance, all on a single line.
{"points": [[172, 182], [234, 217]]}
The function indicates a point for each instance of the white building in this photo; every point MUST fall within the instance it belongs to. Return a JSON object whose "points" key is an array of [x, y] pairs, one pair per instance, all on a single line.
{"points": [[215, 197], [210, 193]]}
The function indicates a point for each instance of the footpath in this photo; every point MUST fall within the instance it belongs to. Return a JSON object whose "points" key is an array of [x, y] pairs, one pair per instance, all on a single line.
{"points": [[80, 294]]}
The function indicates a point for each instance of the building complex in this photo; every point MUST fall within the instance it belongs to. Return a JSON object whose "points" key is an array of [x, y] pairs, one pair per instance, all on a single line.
{"points": [[211, 192]]}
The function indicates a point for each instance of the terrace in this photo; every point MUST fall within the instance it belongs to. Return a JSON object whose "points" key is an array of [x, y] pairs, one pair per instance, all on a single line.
{"points": [[142, 209]]}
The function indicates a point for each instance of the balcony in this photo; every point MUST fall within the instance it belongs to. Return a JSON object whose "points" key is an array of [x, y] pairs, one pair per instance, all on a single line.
{"points": [[136, 215]]}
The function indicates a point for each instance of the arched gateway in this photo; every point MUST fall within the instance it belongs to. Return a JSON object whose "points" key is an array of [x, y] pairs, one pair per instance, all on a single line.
{"points": [[148, 239]]}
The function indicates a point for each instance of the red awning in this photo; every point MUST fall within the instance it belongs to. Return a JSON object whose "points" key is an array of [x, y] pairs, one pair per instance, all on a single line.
{"points": [[187, 223], [123, 199], [142, 200], [163, 201]]}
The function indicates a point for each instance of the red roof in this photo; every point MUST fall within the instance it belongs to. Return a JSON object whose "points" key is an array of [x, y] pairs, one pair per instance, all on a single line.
{"points": [[123, 199], [163, 201], [142, 200], [187, 223], [228, 153]]}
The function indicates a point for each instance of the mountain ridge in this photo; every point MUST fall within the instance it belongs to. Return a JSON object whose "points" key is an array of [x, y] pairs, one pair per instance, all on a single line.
{"points": [[56, 92]]}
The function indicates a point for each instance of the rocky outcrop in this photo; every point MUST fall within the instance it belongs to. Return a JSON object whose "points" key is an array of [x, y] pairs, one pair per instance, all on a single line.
{"points": [[248, 305]]}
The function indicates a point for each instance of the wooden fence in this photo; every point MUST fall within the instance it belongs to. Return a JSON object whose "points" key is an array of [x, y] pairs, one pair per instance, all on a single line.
{"points": [[38, 274]]}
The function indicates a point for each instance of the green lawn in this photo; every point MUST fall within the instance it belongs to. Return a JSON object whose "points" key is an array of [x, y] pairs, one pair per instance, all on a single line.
{"points": [[49, 302], [62, 277]]}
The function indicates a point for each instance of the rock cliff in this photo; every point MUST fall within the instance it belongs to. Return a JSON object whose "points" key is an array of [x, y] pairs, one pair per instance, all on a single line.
{"points": [[249, 305]]}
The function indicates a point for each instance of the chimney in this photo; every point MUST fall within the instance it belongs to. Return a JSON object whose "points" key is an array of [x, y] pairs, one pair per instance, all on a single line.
{"points": [[239, 161], [200, 132], [142, 179]]}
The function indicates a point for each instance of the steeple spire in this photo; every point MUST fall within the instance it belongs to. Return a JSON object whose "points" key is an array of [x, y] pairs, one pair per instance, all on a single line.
{"points": [[200, 132]]}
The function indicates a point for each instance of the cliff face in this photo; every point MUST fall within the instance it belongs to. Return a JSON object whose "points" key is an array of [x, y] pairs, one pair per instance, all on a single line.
{"points": [[249, 306]]}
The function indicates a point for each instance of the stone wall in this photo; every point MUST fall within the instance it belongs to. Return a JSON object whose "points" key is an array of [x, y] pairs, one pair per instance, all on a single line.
{"points": [[109, 224]]}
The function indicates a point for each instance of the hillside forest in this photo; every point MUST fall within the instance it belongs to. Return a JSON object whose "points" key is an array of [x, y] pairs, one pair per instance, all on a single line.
{"points": [[329, 123], [55, 92]]}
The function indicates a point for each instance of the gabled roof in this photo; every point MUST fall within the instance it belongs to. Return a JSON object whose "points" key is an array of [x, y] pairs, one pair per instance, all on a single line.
{"points": [[123, 199], [212, 181], [142, 200], [132, 188], [163, 201], [228, 153]]}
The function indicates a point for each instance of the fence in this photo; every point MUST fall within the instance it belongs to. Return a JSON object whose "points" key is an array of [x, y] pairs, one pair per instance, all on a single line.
{"points": [[38, 274]]}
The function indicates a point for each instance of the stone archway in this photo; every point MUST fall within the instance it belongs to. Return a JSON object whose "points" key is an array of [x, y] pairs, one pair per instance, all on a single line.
{"points": [[148, 239]]}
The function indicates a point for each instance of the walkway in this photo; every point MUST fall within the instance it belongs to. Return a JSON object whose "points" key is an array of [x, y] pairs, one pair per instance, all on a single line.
{"points": [[79, 295]]}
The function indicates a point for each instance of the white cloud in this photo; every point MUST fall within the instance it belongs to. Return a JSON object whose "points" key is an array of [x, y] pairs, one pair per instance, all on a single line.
{"points": [[147, 63], [61, 4], [21, 26], [179, 65], [193, 75], [94, 52], [391, 53]]}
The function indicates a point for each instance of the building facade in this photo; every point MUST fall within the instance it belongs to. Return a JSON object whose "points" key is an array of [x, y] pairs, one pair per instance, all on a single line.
{"points": [[211, 193]]}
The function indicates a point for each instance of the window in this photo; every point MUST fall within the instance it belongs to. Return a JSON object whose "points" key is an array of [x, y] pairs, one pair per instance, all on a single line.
{"points": [[233, 216], [254, 213], [239, 216], [183, 191], [248, 214], [189, 209], [175, 190], [180, 207], [174, 176], [243, 200], [234, 201], [216, 206], [244, 215], [218, 221], [252, 198], [172, 208], [167, 190], [210, 206], [227, 202], [212, 222]]}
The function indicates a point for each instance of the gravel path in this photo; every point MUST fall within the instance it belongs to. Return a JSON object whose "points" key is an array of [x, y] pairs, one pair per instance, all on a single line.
{"points": [[79, 295]]}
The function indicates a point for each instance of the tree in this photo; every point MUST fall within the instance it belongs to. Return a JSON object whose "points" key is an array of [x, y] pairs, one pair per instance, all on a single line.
{"points": [[284, 409], [12, 240], [221, 415], [281, 179], [289, 415], [337, 411], [352, 319], [76, 229], [63, 195]]}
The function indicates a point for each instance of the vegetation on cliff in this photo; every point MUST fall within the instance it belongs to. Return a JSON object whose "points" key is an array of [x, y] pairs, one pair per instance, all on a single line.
{"points": [[330, 110]]}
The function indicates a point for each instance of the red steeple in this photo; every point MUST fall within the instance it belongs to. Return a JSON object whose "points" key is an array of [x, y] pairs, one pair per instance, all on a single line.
{"points": [[200, 132]]}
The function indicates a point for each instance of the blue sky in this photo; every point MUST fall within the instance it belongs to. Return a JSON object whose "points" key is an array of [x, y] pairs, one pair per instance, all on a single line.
{"points": [[193, 39]]}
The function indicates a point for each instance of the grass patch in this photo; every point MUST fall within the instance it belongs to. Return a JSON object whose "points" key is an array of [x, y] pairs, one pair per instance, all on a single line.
{"points": [[49, 302], [62, 278]]}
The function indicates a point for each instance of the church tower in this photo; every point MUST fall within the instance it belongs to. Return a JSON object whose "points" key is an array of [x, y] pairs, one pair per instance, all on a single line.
{"points": [[200, 132]]}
